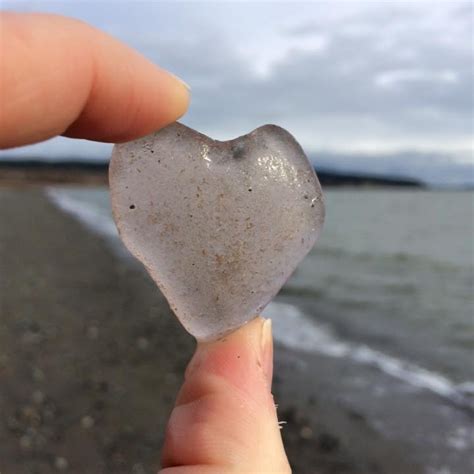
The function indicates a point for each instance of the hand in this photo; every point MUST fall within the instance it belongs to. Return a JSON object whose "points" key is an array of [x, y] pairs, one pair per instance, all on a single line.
{"points": [[225, 419], [62, 77]]}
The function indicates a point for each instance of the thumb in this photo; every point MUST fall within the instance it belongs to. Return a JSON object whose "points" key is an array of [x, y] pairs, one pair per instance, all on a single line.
{"points": [[225, 419]]}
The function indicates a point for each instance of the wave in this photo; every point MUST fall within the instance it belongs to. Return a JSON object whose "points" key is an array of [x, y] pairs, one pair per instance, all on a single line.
{"points": [[91, 215], [394, 257], [315, 293], [296, 331], [301, 291]]}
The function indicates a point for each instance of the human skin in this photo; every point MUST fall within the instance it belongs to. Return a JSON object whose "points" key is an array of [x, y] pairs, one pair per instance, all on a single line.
{"points": [[60, 76]]}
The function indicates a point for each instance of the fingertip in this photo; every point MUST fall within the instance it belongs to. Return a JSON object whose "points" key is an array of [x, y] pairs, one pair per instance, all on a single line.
{"points": [[244, 358], [162, 98], [131, 97], [155, 99], [225, 414]]}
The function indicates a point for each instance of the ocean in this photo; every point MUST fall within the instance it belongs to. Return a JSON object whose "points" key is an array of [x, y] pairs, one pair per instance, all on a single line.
{"points": [[386, 296]]}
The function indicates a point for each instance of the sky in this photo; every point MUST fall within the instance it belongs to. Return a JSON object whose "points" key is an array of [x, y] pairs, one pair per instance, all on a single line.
{"points": [[382, 87]]}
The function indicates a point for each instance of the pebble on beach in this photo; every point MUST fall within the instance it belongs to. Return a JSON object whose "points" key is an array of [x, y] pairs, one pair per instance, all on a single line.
{"points": [[38, 397], [306, 432], [61, 463], [26, 442], [37, 375], [87, 422], [143, 343], [93, 332]]}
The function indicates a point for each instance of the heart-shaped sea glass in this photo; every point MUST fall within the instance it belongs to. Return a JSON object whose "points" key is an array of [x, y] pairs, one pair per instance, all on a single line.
{"points": [[220, 226]]}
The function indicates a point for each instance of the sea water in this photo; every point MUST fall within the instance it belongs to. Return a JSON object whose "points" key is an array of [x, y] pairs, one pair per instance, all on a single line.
{"points": [[387, 290], [392, 268]]}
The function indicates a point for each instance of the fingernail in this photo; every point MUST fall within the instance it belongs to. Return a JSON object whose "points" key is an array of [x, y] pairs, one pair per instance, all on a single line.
{"points": [[266, 348], [185, 84]]}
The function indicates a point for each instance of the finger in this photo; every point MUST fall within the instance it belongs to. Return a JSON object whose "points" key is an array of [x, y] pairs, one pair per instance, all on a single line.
{"points": [[225, 418], [61, 76]]}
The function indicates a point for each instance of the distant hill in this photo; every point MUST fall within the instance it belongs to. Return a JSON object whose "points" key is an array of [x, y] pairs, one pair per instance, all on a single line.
{"points": [[79, 172], [336, 178], [433, 169], [36, 172]]}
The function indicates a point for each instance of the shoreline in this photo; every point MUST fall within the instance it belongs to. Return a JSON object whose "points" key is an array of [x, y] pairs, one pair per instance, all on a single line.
{"points": [[38, 173], [84, 377]]}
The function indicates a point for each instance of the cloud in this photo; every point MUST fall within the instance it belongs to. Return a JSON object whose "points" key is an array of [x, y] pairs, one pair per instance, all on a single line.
{"points": [[351, 78], [397, 77]]}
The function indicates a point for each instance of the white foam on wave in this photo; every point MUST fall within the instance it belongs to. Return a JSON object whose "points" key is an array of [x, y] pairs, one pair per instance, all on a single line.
{"points": [[93, 216], [291, 327], [296, 331]]}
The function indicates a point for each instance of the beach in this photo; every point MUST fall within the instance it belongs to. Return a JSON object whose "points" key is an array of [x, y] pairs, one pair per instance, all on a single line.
{"points": [[91, 359]]}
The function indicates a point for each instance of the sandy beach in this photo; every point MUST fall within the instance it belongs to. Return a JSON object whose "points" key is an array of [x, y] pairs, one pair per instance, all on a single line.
{"points": [[91, 360]]}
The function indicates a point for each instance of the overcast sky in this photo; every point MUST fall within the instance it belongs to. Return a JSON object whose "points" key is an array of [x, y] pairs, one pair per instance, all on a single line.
{"points": [[351, 80]]}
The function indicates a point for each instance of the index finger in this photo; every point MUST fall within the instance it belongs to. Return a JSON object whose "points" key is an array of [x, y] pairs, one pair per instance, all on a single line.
{"points": [[61, 76]]}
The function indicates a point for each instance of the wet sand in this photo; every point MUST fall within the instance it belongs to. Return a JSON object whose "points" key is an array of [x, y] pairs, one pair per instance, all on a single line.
{"points": [[91, 360]]}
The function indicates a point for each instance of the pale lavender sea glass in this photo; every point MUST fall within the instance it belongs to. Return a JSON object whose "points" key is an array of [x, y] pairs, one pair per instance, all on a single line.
{"points": [[220, 226]]}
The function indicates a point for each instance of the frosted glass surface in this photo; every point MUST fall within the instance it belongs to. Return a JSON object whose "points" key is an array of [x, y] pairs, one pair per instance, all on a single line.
{"points": [[220, 226]]}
